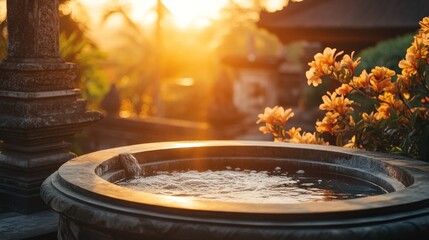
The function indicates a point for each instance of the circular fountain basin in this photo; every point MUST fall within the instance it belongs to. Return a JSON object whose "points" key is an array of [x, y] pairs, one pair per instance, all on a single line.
{"points": [[92, 206]]}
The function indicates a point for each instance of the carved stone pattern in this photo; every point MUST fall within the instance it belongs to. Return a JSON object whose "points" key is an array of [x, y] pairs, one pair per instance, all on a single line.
{"points": [[42, 108], [37, 80]]}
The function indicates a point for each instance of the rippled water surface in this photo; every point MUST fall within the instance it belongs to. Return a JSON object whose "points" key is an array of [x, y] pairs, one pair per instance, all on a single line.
{"points": [[236, 185]]}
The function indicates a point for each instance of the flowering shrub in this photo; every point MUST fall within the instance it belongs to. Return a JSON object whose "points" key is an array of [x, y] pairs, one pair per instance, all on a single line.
{"points": [[399, 119]]}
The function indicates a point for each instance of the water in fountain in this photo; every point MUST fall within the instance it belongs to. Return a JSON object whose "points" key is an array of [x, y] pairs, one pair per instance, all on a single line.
{"points": [[130, 164], [237, 185]]}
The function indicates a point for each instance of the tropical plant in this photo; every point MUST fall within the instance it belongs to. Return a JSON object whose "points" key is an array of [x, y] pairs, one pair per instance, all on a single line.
{"points": [[77, 47], [399, 122], [90, 77]]}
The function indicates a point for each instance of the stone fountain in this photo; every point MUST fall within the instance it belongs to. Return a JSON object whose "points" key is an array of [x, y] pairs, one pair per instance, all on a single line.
{"points": [[92, 206]]}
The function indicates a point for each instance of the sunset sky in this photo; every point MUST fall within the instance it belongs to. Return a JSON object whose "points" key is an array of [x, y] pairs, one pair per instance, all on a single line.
{"points": [[187, 13]]}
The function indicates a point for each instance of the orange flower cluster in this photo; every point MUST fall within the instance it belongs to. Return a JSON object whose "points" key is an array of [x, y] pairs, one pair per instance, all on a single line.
{"points": [[308, 138], [275, 120], [399, 118], [325, 64], [336, 103], [388, 103], [329, 123], [416, 56], [378, 84], [374, 83], [336, 119]]}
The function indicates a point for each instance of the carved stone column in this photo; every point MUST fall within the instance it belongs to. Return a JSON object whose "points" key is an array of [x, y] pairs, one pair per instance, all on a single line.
{"points": [[40, 106]]}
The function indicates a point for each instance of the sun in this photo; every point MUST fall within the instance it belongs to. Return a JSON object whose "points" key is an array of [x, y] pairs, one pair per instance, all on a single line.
{"points": [[194, 13], [184, 13]]}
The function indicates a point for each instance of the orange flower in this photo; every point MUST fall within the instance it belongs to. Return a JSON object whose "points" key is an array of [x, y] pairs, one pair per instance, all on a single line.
{"points": [[268, 128], [344, 89], [404, 81], [328, 57], [352, 143], [348, 62], [267, 116], [275, 120], [389, 99], [323, 65], [418, 50], [422, 42], [362, 81], [313, 78], [275, 115], [381, 80], [280, 139], [282, 115], [383, 112], [328, 124], [369, 118], [309, 138], [339, 104], [424, 24], [293, 132], [408, 66]]}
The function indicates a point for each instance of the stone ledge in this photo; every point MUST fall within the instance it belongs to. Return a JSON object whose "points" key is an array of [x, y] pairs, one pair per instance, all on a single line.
{"points": [[40, 225], [33, 95], [10, 125], [36, 64]]}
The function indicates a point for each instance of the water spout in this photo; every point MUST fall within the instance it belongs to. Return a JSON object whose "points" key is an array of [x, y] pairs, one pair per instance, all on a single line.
{"points": [[130, 164]]}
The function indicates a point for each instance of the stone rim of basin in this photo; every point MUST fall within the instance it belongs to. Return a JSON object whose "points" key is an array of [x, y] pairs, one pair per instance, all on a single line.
{"points": [[75, 175]]}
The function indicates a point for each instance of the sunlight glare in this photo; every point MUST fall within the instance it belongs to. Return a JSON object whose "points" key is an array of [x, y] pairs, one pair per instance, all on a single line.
{"points": [[274, 5], [185, 82], [3, 10], [186, 13], [197, 13], [188, 144], [143, 11]]}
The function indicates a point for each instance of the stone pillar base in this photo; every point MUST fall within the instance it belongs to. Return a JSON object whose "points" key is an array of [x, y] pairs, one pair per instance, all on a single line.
{"points": [[21, 177]]}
